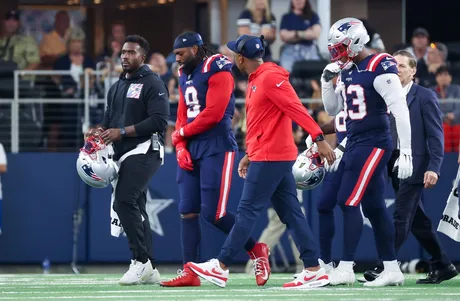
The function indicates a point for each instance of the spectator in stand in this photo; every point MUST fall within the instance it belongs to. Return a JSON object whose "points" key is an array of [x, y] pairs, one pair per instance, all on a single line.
{"points": [[300, 28], [53, 45], [15, 48], [112, 52], [158, 65], [76, 61], [445, 89], [64, 129], [119, 31], [112, 58], [450, 109], [426, 70], [257, 20], [420, 41], [173, 83]]}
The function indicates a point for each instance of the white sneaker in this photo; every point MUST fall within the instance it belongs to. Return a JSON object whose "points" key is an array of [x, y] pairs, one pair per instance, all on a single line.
{"points": [[154, 278], [210, 271], [342, 274], [391, 275], [308, 279], [139, 273], [327, 267]]}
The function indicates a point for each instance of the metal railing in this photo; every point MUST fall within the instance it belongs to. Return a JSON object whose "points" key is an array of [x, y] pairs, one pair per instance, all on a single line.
{"points": [[90, 94]]}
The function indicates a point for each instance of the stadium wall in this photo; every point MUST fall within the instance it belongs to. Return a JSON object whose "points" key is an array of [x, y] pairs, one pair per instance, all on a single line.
{"points": [[41, 191]]}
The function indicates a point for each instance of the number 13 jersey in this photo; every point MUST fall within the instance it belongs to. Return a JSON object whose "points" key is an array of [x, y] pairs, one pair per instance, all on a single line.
{"points": [[207, 102], [367, 114]]}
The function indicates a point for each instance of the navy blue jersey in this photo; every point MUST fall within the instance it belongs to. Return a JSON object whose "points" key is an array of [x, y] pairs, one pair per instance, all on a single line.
{"points": [[367, 120], [194, 88]]}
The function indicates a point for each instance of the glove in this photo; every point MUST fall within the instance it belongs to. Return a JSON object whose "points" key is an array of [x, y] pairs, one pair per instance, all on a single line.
{"points": [[330, 71], [177, 136], [339, 150], [340, 87], [404, 164], [309, 142], [184, 160]]}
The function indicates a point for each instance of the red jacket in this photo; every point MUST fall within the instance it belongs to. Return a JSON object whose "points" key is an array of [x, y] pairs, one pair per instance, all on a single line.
{"points": [[271, 105]]}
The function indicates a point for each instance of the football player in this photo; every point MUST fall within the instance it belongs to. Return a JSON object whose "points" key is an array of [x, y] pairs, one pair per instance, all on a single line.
{"points": [[206, 149], [327, 202], [370, 87]]}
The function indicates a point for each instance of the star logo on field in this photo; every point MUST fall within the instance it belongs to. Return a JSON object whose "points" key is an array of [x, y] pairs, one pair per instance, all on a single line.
{"points": [[367, 222], [154, 207]]}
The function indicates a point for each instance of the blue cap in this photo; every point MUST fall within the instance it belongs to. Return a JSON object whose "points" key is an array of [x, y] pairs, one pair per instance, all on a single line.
{"points": [[188, 39], [251, 47]]}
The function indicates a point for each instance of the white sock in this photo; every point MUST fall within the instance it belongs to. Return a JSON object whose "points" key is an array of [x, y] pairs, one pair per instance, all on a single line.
{"points": [[346, 265], [391, 266]]}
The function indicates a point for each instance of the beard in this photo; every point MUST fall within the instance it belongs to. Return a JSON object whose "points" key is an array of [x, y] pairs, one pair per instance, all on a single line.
{"points": [[190, 65], [130, 67]]}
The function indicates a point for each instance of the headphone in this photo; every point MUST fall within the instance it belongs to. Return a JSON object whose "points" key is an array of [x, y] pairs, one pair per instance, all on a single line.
{"points": [[241, 44]]}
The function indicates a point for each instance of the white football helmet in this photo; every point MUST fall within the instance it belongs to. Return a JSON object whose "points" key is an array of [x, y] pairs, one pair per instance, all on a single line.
{"points": [[95, 165], [346, 38], [308, 170]]}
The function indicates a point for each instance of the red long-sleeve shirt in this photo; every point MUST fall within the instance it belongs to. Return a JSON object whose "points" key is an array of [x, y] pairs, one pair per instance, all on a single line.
{"points": [[271, 106]]}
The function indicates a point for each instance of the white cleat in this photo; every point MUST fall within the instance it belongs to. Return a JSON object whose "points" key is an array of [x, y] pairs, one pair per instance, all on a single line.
{"points": [[327, 267], [140, 273], [387, 278], [343, 274], [210, 271], [308, 279]]}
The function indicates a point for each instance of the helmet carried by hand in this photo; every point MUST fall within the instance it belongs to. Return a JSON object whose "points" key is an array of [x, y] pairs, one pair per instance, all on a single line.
{"points": [[308, 170], [95, 165]]}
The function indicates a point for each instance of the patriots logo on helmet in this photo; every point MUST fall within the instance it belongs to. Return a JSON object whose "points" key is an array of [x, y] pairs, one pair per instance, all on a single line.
{"points": [[345, 26], [90, 173]]}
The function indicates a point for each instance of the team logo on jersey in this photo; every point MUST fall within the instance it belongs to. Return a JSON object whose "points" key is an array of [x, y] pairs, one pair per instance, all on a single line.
{"points": [[387, 64], [222, 62], [134, 91], [254, 88]]}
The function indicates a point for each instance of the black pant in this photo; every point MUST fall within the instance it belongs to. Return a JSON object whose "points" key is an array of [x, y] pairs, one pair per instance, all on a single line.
{"points": [[409, 215], [130, 198]]}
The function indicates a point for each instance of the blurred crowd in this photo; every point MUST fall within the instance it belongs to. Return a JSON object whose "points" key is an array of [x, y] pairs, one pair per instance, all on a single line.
{"points": [[58, 127]]}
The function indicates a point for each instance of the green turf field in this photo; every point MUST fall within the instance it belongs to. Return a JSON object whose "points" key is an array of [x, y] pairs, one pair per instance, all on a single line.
{"points": [[240, 287]]}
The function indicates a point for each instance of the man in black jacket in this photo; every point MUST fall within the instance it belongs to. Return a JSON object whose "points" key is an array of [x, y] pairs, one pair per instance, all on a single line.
{"points": [[135, 119]]}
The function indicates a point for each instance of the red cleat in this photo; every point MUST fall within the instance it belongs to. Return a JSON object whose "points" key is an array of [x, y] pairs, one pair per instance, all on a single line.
{"points": [[185, 278], [259, 254]]}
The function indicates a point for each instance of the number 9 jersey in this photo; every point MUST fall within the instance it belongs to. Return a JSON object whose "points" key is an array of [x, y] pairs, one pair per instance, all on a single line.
{"points": [[206, 107], [367, 114]]}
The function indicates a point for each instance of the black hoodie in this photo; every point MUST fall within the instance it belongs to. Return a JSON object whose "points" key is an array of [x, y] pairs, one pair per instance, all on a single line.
{"points": [[141, 100]]}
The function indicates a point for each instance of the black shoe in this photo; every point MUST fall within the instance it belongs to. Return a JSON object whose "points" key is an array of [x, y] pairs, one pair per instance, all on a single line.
{"points": [[370, 275], [438, 276]]}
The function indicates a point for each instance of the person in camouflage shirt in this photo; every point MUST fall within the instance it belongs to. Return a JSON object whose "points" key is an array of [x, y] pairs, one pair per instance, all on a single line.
{"points": [[17, 48]]}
